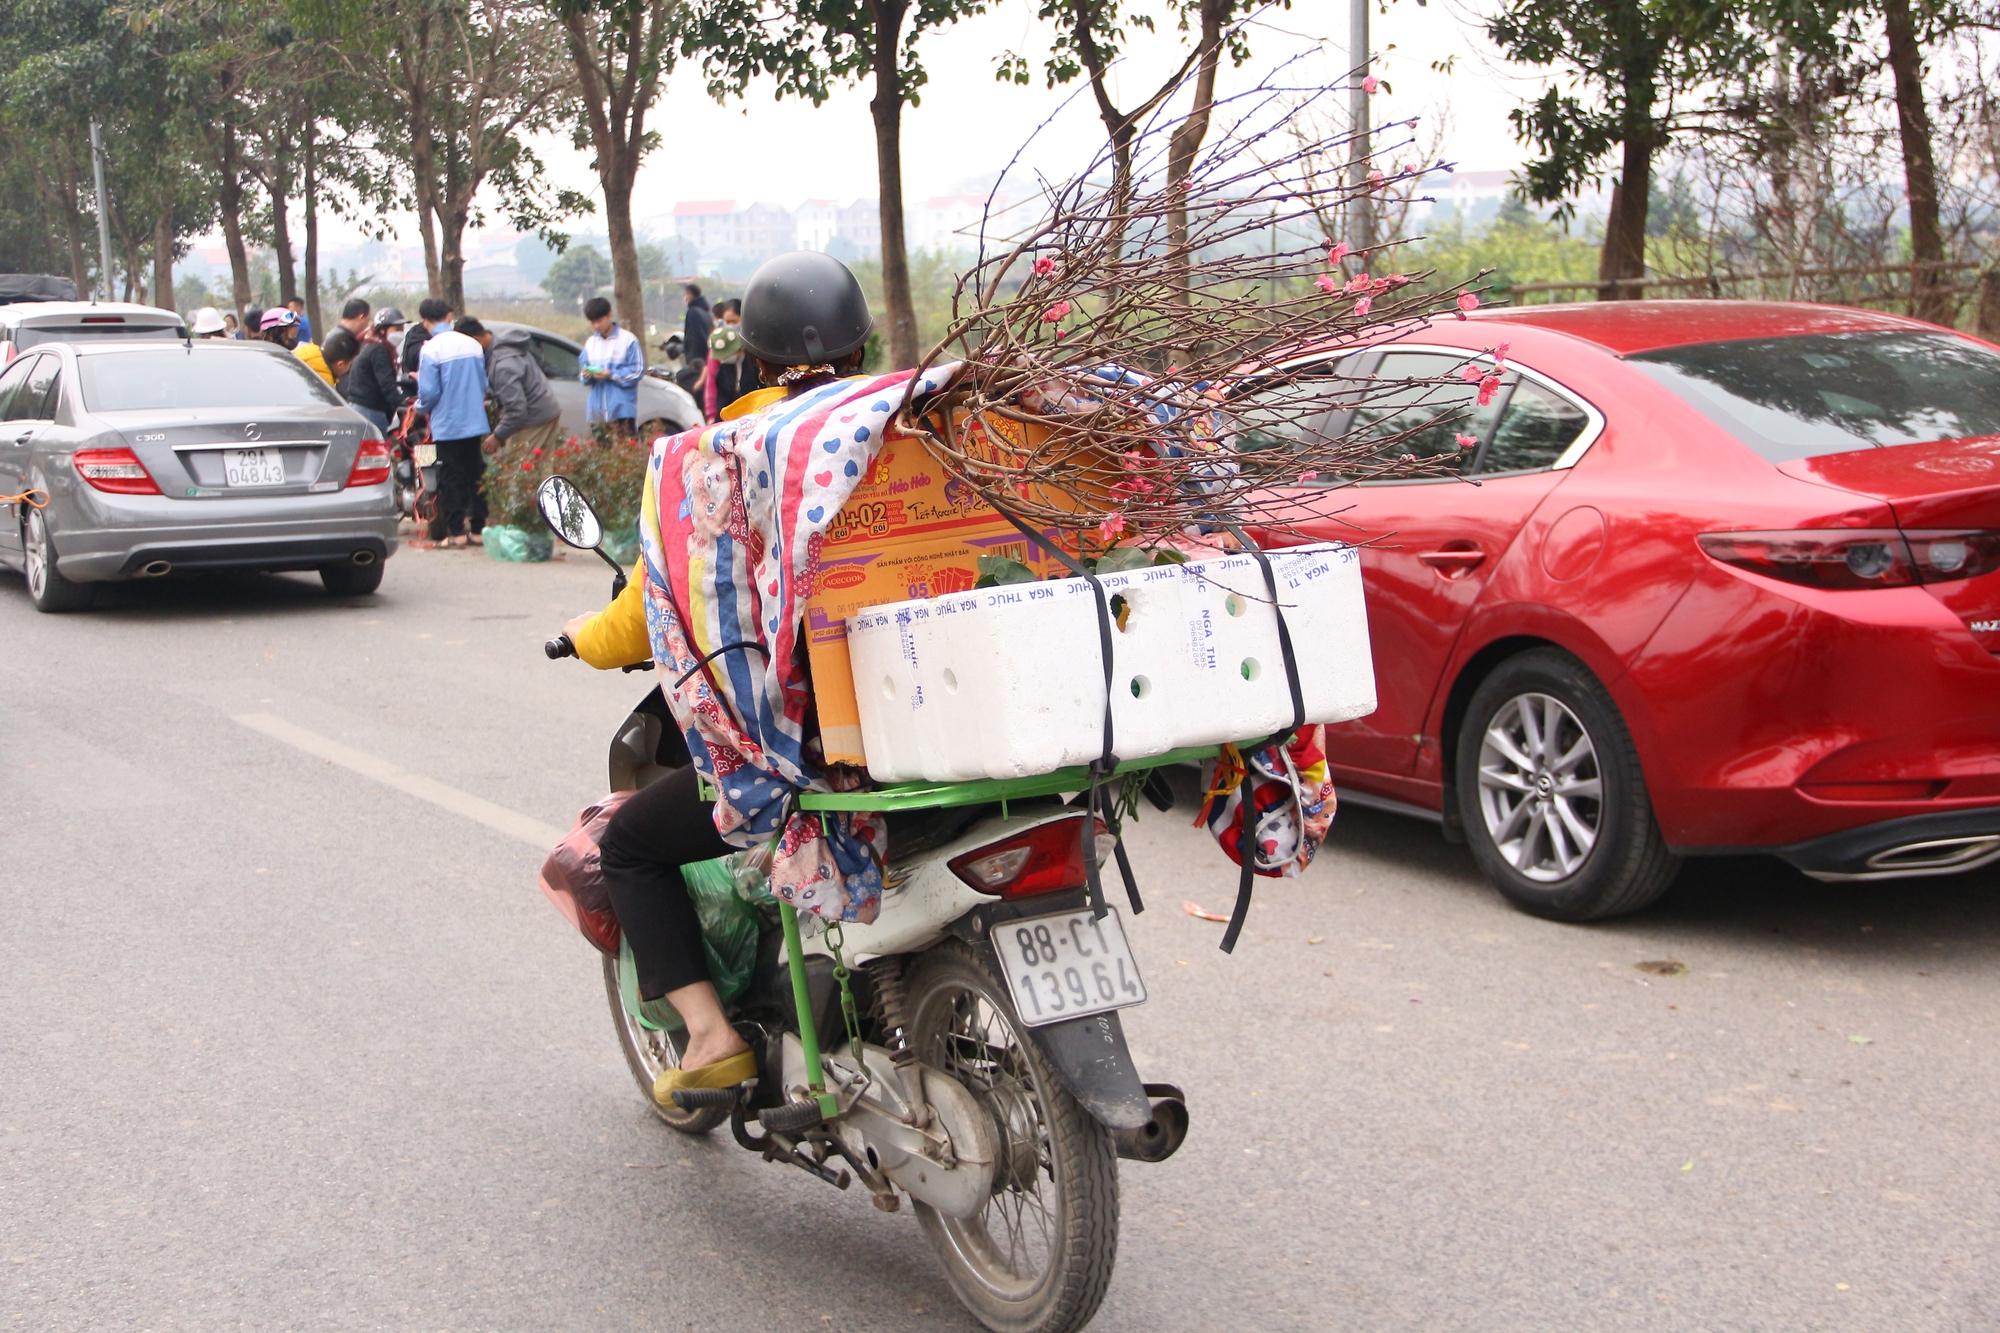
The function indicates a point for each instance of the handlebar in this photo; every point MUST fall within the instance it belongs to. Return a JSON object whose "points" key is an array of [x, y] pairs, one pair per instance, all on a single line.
{"points": [[561, 646]]}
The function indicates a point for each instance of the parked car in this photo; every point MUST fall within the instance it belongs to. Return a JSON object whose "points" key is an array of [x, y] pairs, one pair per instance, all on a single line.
{"points": [[186, 456], [31, 320], [1717, 577], [664, 408]]}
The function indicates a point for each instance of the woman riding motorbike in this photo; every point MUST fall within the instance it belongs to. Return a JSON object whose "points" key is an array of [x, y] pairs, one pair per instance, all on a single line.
{"points": [[793, 303]]}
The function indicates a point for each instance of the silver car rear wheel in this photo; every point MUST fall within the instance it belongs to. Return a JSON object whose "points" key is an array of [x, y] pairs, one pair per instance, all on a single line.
{"points": [[46, 585], [1539, 788]]}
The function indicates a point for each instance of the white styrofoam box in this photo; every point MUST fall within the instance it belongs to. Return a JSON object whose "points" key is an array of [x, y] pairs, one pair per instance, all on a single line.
{"points": [[1009, 681]]}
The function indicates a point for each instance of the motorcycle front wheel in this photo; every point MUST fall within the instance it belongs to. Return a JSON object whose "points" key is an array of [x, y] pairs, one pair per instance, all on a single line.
{"points": [[649, 1051], [1038, 1257]]}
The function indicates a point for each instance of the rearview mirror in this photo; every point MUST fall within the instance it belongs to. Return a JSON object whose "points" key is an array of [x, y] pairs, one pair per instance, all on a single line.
{"points": [[568, 514]]}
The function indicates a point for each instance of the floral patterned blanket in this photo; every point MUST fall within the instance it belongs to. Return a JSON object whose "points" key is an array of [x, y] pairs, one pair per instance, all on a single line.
{"points": [[731, 529]]}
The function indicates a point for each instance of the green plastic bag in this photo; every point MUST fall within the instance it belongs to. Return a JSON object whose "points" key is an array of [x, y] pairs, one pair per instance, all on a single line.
{"points": [[729, 928], [505, 543], [622, 543]]}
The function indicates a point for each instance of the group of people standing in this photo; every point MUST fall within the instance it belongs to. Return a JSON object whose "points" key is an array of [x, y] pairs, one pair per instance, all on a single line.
{"points": [[717, 368], [449, 368]]}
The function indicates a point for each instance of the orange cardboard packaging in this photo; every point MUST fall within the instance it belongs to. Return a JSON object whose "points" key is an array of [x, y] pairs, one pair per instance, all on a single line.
{"points": [[908, 531]]}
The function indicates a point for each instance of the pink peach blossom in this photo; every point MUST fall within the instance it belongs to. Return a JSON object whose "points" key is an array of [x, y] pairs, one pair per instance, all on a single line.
{"points": [[1470, 373], [1487, 388], [1467, 441], [1370, 84], [1326, 282], [1364, 305], [1056, 311], [1112, 525], [1468, 301], [1340, 251], [1045, 266]]}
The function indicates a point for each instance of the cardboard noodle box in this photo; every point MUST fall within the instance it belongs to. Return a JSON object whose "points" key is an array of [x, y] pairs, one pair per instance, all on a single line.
{"points": [[908, 531], [1008, 681]]}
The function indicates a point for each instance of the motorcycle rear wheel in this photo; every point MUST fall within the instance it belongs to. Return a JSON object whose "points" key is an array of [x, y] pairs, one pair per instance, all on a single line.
{"points": [[648, 1051], [1038, 1258]]}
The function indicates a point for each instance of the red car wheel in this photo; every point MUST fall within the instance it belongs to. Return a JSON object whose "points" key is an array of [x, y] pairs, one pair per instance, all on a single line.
{"points": [[1552, 796]]}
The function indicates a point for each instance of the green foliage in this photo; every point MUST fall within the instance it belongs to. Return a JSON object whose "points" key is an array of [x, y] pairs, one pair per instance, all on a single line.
{"points": [[1624, 62], [580, 272], [1519, 249]]}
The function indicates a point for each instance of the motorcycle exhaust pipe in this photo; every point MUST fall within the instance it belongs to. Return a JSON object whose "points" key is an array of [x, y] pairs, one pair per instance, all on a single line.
{"points": [[363, 558], [1162, 1135], [153, 569]]}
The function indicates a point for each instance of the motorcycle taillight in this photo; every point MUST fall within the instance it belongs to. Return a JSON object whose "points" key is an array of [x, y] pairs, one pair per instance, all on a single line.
{"points": [[1044, 859]]}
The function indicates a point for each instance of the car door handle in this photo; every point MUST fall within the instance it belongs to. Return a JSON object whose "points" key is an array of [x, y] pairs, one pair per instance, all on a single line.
{"points": [[24, 437], [1454, 563]]}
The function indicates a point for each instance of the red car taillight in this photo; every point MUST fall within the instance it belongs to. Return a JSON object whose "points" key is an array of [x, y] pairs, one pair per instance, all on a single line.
{"points": [[371, 464], [118, 471], [1046, 858], [1857, 557]]}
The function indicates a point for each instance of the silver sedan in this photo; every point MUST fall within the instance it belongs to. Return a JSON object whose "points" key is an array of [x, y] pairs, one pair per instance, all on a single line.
{"points": [[664, 407], [185, 456]]}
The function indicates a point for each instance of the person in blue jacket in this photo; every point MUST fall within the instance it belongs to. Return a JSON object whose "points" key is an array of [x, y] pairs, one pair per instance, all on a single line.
{"points": [[612, 365], [451, 391]]}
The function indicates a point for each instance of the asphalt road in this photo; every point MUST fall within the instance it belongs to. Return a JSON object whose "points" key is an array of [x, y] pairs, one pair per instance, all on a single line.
{"points": [[284, 1045]]}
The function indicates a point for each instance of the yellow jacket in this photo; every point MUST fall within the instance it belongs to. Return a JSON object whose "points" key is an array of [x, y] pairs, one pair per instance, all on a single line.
{"points": [[617, 636], [312, 356]]}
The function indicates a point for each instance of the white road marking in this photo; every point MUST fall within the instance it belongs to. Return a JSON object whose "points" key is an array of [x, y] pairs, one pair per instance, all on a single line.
{"points": [[496, 817]]}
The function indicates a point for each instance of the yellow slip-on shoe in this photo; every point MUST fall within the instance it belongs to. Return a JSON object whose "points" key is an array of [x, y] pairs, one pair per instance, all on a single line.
{"points": [[725, 1073]]}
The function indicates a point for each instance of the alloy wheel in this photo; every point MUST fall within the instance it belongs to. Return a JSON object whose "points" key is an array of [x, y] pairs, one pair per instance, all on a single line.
{"points": [[35, 546], [1540, 790]]}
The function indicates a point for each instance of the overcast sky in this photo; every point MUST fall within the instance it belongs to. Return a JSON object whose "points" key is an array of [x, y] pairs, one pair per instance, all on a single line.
{"points": [[969, 125]]}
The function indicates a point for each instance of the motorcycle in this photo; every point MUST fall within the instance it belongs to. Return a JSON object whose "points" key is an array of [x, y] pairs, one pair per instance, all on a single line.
{"points": [[414, 465], [964, 1050]]}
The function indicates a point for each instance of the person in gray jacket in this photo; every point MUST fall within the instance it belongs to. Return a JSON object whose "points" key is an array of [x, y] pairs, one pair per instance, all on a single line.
{"points": [[529, 413]]}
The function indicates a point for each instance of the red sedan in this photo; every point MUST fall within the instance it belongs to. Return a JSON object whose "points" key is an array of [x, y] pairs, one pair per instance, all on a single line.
{"points": [[1728, 581]]}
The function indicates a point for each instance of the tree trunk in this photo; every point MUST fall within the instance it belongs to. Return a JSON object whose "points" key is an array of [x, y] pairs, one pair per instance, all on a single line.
{"points": [[1181, 149], [423, 166], [163, 260], [887, 109], [312, 229], [281, 237], [625, 283], [1929, 297], [452, 220], [62, 193], [1624, 252], [229, 203]]}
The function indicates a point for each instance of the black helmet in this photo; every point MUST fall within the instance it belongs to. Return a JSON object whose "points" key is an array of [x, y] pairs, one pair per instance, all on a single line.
{"points": [[388, 317], [804, 309]]}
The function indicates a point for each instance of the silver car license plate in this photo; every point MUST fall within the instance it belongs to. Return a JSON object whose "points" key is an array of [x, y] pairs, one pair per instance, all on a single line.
{"points": [[253, 467], [1067, 966]]}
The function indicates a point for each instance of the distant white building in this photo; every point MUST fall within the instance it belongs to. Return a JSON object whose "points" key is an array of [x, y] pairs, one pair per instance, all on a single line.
{"points": [[846, 231], [951, 222], [721, 228]]}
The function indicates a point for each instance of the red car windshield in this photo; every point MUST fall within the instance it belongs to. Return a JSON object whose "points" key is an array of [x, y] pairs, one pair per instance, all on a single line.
{"points": [[1830, 393]]}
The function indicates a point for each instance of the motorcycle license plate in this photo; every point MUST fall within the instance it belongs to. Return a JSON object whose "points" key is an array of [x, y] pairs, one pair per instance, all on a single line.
{"points": [[253, 467], [1067, 966]]}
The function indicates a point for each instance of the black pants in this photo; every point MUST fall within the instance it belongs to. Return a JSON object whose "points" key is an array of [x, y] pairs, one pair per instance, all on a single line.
{"points": [[660, 829], [461, 507]]}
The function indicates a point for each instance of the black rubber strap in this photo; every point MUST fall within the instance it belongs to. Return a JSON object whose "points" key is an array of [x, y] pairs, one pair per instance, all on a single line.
{"points": [[1246, 807], [706, 658], [1106, 763]]}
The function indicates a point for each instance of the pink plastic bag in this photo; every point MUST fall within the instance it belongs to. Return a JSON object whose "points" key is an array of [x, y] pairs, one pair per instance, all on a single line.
{"points": [[574, 881]]}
